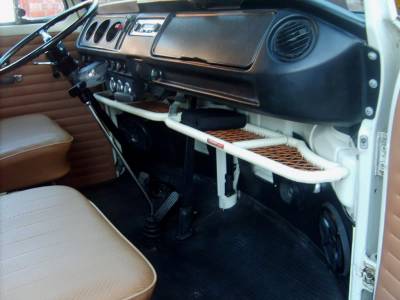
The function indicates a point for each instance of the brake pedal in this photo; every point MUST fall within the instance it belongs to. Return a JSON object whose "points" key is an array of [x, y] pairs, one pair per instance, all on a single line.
{"points": [[166, 206]]}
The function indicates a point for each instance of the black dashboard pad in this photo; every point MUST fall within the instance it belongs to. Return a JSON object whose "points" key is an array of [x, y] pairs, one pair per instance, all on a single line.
{"points": [[293, 64], [230, 40]]}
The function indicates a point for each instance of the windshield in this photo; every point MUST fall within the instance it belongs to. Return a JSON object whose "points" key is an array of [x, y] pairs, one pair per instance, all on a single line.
{"points": [[351, 5]]}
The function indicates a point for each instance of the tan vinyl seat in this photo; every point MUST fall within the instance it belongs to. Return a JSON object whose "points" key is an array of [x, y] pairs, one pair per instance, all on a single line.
{"points": [[33, 150], [55, 244]]}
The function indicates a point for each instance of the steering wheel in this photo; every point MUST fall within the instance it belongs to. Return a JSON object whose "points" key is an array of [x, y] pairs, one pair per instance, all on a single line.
{"points": [[48, 40]]}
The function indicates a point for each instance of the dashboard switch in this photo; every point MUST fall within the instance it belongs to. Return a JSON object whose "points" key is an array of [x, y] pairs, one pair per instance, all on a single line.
{"points": [[155, 74]]}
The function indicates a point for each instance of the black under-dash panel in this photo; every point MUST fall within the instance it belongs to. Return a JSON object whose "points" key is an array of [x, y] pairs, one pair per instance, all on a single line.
{"points": [[227, 39]]}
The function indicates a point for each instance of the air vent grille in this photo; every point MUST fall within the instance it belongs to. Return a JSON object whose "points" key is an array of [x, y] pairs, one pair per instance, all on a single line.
{"points": [[293, 39]]}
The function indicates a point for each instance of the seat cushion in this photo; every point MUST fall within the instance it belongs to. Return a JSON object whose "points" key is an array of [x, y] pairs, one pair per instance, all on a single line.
{"points": [[33, 150], [55, 244]]}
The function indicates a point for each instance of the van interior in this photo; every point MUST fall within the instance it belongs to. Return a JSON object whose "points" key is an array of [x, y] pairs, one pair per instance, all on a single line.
{"points": [[196, 149]]}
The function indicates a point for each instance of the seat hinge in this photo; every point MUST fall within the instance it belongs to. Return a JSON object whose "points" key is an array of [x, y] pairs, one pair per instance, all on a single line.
{"points": [[381, 154], [368, 272]]}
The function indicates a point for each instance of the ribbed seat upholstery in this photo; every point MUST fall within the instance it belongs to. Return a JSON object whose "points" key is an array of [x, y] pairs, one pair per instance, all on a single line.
{"points": [[33, 150], [55, 244]]}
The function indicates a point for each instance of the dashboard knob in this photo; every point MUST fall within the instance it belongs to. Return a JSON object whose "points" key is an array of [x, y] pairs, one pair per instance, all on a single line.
{"points": [[155, 74], [127, 88], [112, 65], [118, 66], [120, 86], [112, 84]]}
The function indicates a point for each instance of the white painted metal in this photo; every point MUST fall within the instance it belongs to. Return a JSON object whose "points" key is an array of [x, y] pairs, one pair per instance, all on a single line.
{"points": [[326, 142], [331, 171], [335, 146], [264, 174], [346, 190], [153, 116], [329, 142], [262, 142], [383, 35], [225, 202], [261, 131]]}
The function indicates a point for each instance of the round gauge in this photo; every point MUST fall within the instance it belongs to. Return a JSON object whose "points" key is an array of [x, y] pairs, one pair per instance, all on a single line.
{"points": [[112, 84], [101, 30], [90, 31], [113, 31]]}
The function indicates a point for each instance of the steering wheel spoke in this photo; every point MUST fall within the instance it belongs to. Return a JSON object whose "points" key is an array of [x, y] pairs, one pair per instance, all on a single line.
{"points": [[45, 35], [49, 41]]}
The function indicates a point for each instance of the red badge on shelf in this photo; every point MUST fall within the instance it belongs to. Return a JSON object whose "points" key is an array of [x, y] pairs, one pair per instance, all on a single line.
{"points": [[215, 143]]}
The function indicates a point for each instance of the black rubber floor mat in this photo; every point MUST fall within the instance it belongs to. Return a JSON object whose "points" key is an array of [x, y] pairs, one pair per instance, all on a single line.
{"points": [[247, 252]]}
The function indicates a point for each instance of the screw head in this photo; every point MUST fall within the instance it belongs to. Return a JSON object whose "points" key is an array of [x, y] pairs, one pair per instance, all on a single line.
{"points": [[373, 84], [363, 142], [372, 55], [369, 111]]}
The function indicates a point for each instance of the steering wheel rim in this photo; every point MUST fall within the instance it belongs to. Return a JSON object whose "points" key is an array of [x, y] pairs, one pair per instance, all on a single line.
{"points": [[91, 7]]}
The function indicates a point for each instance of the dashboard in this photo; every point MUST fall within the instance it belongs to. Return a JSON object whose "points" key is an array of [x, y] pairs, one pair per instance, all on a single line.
{"points": [[284, 62]]}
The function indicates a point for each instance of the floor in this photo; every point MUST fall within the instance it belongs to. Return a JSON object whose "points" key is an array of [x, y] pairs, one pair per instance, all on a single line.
{"points": [[247, 252]]}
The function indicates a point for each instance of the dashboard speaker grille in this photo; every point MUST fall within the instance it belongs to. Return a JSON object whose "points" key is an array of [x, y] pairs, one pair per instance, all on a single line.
{"points": [[293, 39]]}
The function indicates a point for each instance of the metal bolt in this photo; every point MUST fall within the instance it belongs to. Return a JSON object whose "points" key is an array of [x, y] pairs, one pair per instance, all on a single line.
{"points": [[363, 142], [372, 55], [369, 111], [373, 84]]}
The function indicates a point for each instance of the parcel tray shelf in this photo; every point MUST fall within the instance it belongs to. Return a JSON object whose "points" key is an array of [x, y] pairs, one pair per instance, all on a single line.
{"points": [[285, 156], [151, 110]]}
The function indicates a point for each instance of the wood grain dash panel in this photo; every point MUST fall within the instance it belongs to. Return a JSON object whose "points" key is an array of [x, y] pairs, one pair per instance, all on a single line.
{"points": [[39, 92]]}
